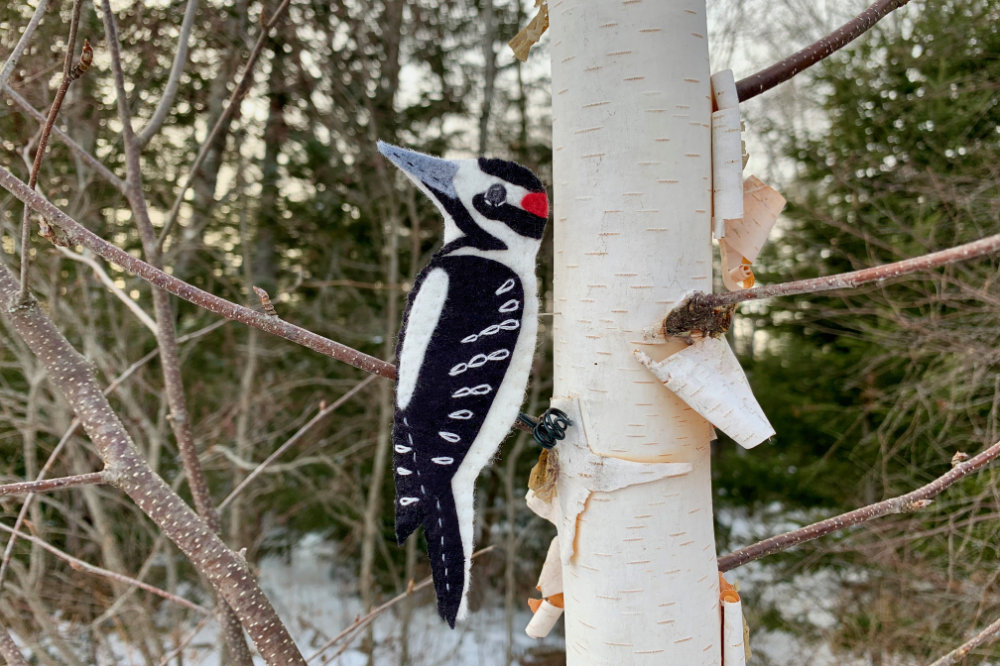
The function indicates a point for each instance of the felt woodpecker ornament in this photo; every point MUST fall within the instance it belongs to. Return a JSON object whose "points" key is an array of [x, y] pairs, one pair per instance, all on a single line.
{"points": [[464, 351]]}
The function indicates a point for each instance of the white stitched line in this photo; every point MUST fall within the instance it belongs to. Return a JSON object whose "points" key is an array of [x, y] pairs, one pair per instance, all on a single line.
{"points": [[509, 306], [461, 415], [505, 287], [442, 460], [449, 436], [402, 471]]}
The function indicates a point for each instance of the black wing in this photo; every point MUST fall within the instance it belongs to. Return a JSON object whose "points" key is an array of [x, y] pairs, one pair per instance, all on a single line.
{"points": [[466, 359]]}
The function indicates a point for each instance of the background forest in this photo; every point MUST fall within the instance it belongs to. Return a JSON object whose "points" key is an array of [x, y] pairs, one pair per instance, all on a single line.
{"points": [[887, 150]]}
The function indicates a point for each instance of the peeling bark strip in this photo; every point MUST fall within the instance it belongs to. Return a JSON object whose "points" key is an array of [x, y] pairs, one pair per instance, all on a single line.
{"points": [[631, 161], [125, 468], [72, 232]]}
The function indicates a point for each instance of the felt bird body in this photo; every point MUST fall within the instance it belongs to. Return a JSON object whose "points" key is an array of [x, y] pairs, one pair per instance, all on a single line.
{"points": [[464, 351]]}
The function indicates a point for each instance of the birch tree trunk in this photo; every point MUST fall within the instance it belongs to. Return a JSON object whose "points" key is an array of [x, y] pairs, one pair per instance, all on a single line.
{"points": [[632, 172]]}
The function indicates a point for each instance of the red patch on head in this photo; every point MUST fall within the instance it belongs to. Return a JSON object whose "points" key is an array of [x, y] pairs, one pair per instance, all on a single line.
{"points": [[536, 203]]}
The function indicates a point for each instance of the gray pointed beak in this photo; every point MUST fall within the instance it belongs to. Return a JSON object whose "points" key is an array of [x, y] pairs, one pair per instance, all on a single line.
{"points": [[434, 172]]}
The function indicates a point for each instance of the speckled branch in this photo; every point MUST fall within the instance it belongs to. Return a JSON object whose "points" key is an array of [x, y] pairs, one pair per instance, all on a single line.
{"points": [[9, 650], [71, 232], [780, 72], [27, 487], [125, 468], [979, 248], [987, 635], [911, 501]]}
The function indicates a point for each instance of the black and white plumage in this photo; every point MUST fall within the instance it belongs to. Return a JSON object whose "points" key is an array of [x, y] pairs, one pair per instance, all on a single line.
{"points": [[464, 351]]}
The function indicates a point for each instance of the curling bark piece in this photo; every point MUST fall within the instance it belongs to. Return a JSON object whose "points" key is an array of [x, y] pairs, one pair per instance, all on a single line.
{"points": [[744, 238], [727, 154], [547, 610], [734, 646], [708, 377], [583, 472]]}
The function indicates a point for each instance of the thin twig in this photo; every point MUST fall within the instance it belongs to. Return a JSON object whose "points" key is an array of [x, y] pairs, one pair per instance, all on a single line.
{"points": [[173, 83], [296, 438], [166, 336], [364, 621], [75, 233], [72, 375], [70, 74], [911, 501], [978, 248], [80, 565], [234, 101], [22, 43], [71, 430], [26, 487], [80, 151], [780, 72], [987, 635], [170, 656], [110, 285]]}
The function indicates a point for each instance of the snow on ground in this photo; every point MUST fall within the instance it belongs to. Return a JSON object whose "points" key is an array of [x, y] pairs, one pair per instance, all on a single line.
{"points": [[316, 602]]}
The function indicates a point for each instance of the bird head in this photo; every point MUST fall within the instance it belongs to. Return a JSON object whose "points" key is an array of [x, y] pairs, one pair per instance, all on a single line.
{"points": [[486, 203]]}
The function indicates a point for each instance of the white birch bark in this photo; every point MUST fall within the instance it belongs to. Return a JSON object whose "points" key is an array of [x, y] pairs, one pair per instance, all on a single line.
{"points": [[632, 138]]}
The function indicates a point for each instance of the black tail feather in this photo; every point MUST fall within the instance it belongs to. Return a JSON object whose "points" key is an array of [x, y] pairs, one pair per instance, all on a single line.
{"points": [[447, 557]]}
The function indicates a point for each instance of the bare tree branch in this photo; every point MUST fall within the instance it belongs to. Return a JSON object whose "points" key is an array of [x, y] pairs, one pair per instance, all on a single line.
{"points": [[911, 501], [9, 650], [70, 74], [80, 565], [27, 487], [166, 336], [173, 83], [364, 621], [22, 43], [234, 101], [72, 232], [125, 468], [296, 438], [987, 635], [80, 151], [978, 248], [780, 72], [109, 284]]}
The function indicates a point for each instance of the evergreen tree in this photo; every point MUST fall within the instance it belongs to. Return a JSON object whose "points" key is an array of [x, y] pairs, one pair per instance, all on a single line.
{"points": [[874, 391]]}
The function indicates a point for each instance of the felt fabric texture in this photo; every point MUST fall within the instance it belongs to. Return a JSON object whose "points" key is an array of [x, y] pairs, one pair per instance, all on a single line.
{"points": [[464, 352]]}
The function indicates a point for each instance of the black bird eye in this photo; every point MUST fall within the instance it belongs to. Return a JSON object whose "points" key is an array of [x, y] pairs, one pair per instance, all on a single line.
{"points": [[496, 195]]}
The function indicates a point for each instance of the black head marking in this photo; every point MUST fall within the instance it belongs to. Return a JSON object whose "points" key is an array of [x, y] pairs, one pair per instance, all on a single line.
{"points": [[512, 172]]}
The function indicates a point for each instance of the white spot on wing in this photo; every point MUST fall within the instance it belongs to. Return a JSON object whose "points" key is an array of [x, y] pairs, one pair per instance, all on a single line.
{"points": [[461, 415], [449, 436], [407, 501], [402, 471], [509, 306], [505, 287], [400, 449], [466, 391], [442, 460], [421, 323]]}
